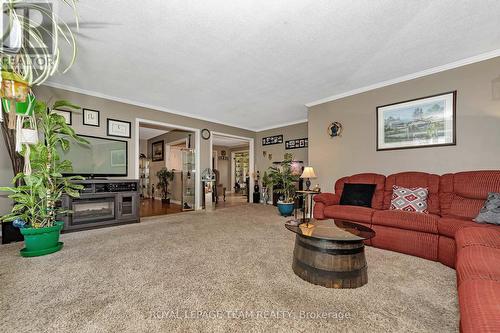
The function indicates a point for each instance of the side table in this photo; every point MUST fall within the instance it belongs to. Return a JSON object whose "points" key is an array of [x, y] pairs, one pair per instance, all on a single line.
{"points": [[308, 203]]}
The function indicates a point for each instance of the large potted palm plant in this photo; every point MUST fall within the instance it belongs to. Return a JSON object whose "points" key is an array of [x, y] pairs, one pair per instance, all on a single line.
{"points": [[165, 176], [37, 196], [283, 177]]}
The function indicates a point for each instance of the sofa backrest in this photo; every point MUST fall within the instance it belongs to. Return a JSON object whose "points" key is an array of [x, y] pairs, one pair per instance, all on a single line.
{"points": [[365, 178], [463, 194], [414, 179]]}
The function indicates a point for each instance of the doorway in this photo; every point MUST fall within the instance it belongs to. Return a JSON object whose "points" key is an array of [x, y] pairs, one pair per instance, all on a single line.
{"points": [[167, 166], [233, 165]]}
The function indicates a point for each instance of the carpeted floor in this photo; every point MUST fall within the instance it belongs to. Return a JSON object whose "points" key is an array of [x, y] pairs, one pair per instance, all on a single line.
{"points": [[223, 271]]}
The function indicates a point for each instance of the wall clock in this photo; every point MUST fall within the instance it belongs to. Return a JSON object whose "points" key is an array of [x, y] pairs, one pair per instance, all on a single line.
{"points": [[205, 134]]}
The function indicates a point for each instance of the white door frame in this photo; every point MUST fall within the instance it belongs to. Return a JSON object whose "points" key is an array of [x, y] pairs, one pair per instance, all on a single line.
{"points": [[197, 149], [251, 157]]}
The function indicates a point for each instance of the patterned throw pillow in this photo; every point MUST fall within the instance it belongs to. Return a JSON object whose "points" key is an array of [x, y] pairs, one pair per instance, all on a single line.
{"points": [[490, 213], [409, 199]]}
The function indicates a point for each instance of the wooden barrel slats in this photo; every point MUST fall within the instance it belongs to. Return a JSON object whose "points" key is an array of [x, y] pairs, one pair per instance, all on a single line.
{"points": [[331, 264]]}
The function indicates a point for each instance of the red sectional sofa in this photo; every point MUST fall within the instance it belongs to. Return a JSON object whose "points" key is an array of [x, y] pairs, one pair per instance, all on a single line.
{"points": [[447, 234]]}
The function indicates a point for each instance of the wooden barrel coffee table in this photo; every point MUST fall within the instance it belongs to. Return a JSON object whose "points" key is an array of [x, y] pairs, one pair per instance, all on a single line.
{"points": [[331, 253]]}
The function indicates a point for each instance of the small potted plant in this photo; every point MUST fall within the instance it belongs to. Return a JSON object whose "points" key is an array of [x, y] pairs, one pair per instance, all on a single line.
{"points": [[165, 176], [40, 189], [283, 177]]}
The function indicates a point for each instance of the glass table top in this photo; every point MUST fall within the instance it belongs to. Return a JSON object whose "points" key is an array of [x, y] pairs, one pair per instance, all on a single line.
{"points": [[336, 230]]}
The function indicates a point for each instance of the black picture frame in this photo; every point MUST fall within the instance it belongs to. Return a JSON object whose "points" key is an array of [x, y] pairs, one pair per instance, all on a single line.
{"points": [[158, 145], [453, 142], [85, 111], [63, 112], [297, 143], [272, 140], [127, 123]]}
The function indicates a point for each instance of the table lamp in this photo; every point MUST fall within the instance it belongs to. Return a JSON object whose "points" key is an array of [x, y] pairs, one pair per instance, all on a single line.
{"points": [[308, 174]]}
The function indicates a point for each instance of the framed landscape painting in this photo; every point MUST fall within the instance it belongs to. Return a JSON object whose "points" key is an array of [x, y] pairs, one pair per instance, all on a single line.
{"points": [[158, 151], [423, 122]]}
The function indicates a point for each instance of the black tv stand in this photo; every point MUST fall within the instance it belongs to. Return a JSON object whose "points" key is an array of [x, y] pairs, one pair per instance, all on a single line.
{"points": [[102, 202]]}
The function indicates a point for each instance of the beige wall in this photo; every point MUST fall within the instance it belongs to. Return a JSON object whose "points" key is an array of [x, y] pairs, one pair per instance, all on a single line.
{"points": [[297, 131], [224, 166], [143, 147], [478, 128], [5, 176]]}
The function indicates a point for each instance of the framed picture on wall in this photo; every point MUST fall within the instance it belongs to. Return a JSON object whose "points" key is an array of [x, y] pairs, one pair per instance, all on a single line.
{"points": [[297, 143], [91, 117], [422, 122], [119, 128], [272, 140], [158, 151], [68, 116]]}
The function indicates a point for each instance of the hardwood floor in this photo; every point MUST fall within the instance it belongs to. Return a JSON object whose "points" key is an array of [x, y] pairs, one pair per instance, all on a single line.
{"points": [[151, 207], [232, 200]]}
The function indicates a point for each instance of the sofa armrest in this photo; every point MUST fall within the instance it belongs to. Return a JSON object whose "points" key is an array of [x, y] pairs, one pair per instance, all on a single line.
{"points": [[328, 199]]}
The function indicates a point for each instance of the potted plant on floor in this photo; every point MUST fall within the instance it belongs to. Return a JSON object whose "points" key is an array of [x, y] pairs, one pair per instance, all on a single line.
{"points": [[165, 176], [40, 189], [283, 177]]}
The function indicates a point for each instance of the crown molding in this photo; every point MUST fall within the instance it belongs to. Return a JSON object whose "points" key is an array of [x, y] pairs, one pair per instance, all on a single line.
{"points": [[430, 71], [140, 104], [163, 109], [282, 125]]}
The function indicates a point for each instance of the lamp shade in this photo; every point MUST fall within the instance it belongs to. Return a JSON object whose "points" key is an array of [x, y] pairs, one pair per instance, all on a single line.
{"points": [[308, 173]]}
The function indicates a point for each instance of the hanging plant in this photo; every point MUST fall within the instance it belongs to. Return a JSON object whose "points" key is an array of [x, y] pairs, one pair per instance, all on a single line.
{"points": [[38, 56], [34, 57]]}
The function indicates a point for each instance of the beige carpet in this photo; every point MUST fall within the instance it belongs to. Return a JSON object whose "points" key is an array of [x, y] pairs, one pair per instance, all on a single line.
{"points": [[174, 274]]}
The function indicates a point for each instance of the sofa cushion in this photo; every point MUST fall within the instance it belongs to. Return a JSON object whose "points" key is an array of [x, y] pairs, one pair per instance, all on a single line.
{"points": [[479, 306], [365, 178], [406, 220], [463, 194], [448, 226], [357, 195], [447, 251], [350, 213], [412, 199], [414, 179], [478, 262], [478, 236], [415, 243]]}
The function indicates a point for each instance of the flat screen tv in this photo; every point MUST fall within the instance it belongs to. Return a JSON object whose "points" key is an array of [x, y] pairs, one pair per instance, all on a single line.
{"points": [[102, 157]]}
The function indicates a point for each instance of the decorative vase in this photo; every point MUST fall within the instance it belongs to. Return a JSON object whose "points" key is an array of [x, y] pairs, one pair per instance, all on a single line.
{"points": [[286, 209], [264, 195], [41, 241]]}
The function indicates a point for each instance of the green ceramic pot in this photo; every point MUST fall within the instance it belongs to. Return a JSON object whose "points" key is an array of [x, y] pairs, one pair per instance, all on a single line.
{"points": [[41, 241]]}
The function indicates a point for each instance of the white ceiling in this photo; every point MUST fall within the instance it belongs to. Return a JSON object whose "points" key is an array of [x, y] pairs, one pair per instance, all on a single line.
{"points": [[149, 133], [255, 63], [225, 141]]}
